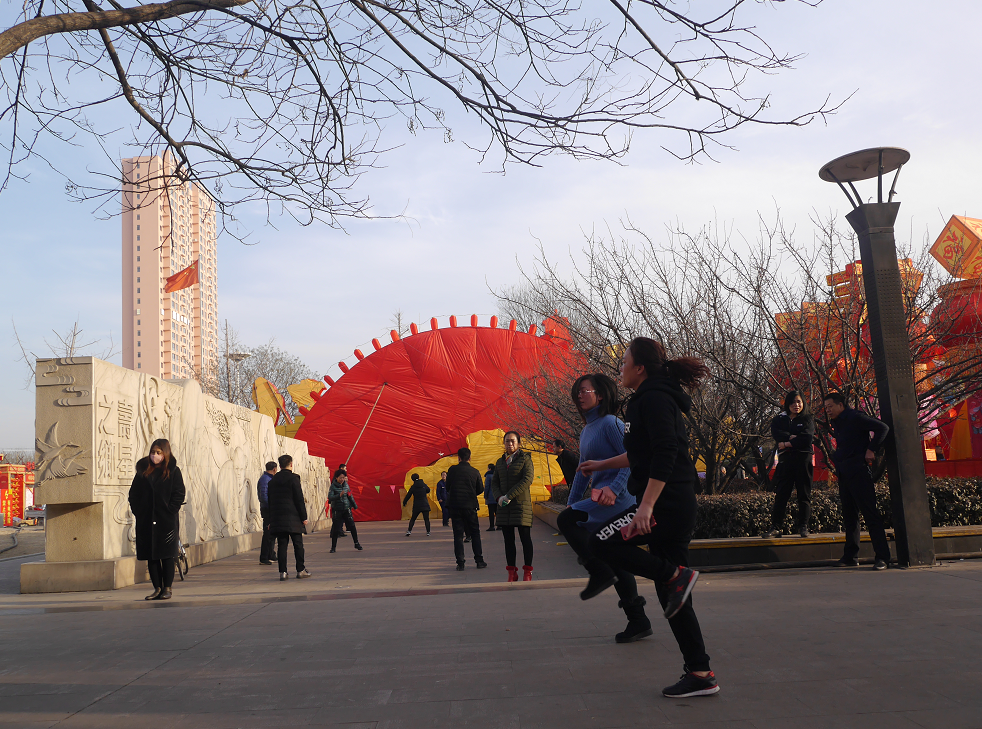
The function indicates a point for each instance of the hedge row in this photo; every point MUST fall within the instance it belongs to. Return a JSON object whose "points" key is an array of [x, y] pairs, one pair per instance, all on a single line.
{"points": [[953, 502]]}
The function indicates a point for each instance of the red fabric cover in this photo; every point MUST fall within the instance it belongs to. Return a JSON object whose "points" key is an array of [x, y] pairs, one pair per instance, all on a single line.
{"points": [[440, 386]]}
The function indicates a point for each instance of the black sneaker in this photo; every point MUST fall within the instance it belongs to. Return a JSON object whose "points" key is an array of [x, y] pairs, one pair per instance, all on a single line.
{"points": [[597, 584], [844, 562], [880, 564], [358, 546], [692, 685], [333, 550], [772, 534], [679, 590], [635, 630], [460, 568], [482, 564], [467, 540], [283, 576], [408, 533], [265, 561], [803, 532]]}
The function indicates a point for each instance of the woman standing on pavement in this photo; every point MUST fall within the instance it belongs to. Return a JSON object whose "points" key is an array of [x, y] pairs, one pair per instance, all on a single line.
{"points": [[595, 397], [793, 430], [342, 504], [511, 490], [155, 497], [663, 477], [421, 504]]}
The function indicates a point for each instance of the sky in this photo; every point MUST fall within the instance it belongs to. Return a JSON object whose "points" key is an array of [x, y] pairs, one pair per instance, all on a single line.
{"points": [[321, 292]]}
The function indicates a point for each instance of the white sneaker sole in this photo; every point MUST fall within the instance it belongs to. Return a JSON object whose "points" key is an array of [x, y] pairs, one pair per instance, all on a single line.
{"points": [[700, 692]]}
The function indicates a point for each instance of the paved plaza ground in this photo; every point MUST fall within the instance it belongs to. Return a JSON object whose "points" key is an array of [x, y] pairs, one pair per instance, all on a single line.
{"points": [[394, 637]]}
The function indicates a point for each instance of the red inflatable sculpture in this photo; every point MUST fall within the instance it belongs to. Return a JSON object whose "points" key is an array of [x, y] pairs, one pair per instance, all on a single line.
{"points": [[416, 400]]}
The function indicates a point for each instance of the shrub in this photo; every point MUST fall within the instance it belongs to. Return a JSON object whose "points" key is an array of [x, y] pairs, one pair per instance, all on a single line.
{"points": [[559, 494], [953, 502]]}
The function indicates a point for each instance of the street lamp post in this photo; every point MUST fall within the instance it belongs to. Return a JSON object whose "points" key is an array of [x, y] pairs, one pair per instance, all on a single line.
{"points": [[873, 223], [237, 357]]}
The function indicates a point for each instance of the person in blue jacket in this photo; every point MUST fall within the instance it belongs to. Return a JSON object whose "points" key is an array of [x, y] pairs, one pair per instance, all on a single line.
{"points": [[595, 397], [489, 497]]}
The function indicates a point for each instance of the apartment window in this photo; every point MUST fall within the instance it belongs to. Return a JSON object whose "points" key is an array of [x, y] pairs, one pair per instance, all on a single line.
{"points": [[137, 216], [137, 289], [138, 343], [138, 248], [138, 322], [138, 365], [138, 301], [138, 258], [138, 268], [138, 278], [138, 237], [138, 354], [138, 331], [138, 227]]}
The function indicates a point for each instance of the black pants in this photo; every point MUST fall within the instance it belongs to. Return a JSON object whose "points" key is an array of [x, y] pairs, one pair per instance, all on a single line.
{"points": [[794, 471], [339, 520], [492, 510], [267, 550], [445, 513], [858, 495], [525, 534], [426, 520], [282, 541], [579, 539], [668, 545], [161, 572], [465, 523]]}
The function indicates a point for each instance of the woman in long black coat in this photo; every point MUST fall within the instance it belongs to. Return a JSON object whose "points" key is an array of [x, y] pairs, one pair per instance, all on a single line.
{"points": [[155, 498]]}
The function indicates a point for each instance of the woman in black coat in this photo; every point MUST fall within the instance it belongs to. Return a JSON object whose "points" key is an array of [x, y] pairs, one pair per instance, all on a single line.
{"points": [[156, 495], [793, 430], [662, 478], [421, 504]]}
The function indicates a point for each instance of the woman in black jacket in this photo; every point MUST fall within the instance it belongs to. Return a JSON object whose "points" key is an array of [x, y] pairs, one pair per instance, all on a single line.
{"points": [[793, 430], [663, 477], [421, 504], [155, 497]]}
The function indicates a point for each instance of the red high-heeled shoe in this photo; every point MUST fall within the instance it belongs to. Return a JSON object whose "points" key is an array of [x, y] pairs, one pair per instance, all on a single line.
{"points": [[512, 574]]}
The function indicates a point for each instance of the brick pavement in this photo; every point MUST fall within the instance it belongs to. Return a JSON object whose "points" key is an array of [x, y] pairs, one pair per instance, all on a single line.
{"points": [[394, 637]]}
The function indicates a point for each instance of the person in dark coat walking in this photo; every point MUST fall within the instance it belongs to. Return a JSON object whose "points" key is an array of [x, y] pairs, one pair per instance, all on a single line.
{"points": [[567, 459], [489, 498], [853, 456], [155, 497], [464, 485], [421, 504], [663, 477], [342, 504], [793, 430], [267, 551], [441, 498], [511, 488], [288, 515]]}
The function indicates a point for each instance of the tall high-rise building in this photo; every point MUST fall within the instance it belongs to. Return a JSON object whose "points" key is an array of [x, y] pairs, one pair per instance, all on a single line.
{"points": [[168, 224]]}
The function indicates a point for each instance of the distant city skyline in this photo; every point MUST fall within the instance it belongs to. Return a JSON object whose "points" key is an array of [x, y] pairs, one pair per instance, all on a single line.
{"points": [[167, 226]]}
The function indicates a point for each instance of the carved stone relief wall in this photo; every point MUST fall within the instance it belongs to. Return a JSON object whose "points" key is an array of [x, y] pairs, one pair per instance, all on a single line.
{"points": [[95, 421]]}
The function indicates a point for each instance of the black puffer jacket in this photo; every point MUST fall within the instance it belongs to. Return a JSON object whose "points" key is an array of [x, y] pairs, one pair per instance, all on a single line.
{"points": [[156, 504], [287, 510], [418, 493], [464, 483], [657, 445]]}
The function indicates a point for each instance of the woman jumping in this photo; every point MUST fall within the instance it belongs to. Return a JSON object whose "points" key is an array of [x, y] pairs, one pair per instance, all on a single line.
{"points": [[663, 475]]}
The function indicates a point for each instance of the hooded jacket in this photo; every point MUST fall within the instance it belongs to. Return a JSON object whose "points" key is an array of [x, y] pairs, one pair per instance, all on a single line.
{"points": [[287, 509], [156, 505], [418, 492], [657, 444]]}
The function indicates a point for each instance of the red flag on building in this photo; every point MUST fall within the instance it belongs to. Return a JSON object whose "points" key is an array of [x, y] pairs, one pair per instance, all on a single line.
{"points": [[182, 279]]}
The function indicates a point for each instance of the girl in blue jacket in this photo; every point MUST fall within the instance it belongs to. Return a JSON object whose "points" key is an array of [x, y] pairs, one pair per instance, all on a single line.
{"points": [[595, 397]]}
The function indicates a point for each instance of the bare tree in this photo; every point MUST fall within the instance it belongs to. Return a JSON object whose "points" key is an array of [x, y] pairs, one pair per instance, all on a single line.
{"points": [[71, 343], [285, 103], [765, 318]]}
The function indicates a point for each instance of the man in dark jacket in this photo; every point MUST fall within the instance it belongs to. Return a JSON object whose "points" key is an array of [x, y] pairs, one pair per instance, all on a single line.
{"points": [[854, 453], [441, 498], [464, 485], [568, 461], [421, 505], [288, 515], [267, 552]]}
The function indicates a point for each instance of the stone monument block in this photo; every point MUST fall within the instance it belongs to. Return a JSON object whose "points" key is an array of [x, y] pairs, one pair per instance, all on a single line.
{"points": [[95, 420]]}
